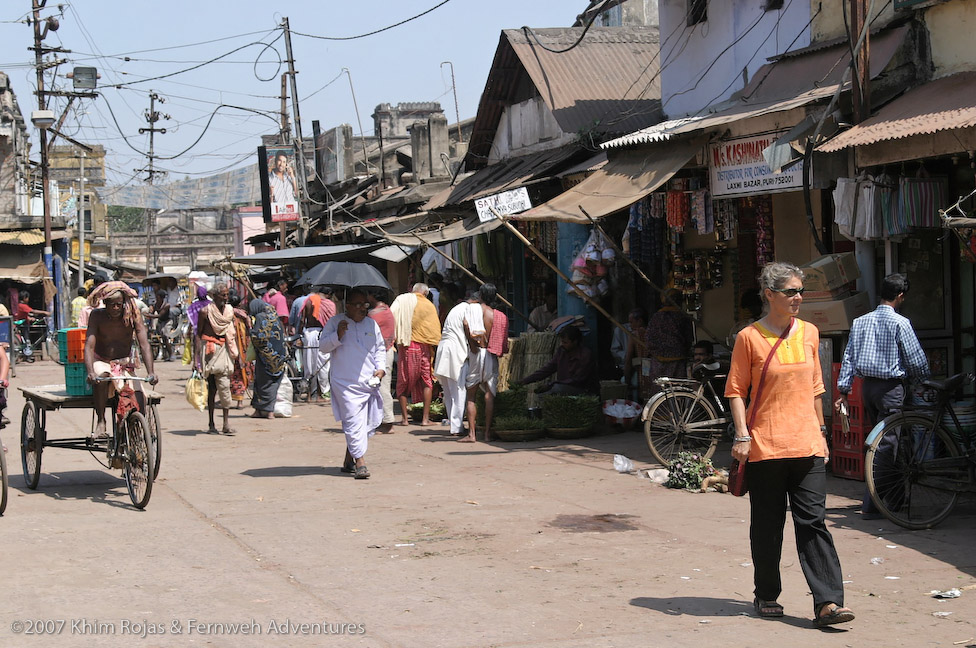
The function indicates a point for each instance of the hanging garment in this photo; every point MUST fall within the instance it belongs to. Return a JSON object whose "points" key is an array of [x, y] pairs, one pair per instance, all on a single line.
{"points": [[845, 198], [892, 219], [868, 223], [921, 198]]}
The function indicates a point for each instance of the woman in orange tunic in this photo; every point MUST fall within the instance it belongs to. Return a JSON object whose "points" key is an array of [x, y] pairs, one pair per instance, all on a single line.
{"points": [[783, 438]]}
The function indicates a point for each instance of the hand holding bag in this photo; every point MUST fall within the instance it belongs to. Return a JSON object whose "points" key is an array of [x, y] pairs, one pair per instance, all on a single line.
{"points": [[737, 471], [196, 391]]}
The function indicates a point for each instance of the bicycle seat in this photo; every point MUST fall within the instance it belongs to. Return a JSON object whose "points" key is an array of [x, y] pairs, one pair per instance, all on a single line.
{"points": [[950, 384], [291, 339], [707, 371]]}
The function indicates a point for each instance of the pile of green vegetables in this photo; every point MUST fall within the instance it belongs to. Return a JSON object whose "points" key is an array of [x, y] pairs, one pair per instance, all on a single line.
{"points": [[437, 410], [687, 470], [570, 411]]}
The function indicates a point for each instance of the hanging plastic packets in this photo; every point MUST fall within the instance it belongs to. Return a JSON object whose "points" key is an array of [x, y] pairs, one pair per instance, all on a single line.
{"points": [[701, 211], [726, 219], [678, 209]]}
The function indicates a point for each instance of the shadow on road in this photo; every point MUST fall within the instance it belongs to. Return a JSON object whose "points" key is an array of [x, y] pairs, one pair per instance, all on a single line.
{"points": [[290, 471], [702, 606], [95, 485]]}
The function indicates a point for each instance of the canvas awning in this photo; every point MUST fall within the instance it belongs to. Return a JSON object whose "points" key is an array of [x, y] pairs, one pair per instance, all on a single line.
{"points": [[309, 255], [945, 104], [626, 178], [457, 230]]}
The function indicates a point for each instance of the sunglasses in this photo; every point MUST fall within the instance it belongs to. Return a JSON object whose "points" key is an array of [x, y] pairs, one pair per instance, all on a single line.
{"points": [[789, 292]]}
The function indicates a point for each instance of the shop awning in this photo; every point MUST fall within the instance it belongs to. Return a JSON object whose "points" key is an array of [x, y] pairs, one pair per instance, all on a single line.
{"points": [[309, 255], [457, 230], [510, 173], [791, 81], [625, 179], [945, 104], [29, 237]]}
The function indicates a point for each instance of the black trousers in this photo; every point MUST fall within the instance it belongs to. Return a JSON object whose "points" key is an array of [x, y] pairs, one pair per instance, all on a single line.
{"points": [[881, 396], [802, 482]]}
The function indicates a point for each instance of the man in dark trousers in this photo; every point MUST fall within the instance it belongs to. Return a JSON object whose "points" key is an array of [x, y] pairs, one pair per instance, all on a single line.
{"points": [[884, 351]]}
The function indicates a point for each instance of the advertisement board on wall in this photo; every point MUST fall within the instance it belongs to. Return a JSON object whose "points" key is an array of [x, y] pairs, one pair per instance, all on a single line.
{"points": [[279, 183], [736, 167]]}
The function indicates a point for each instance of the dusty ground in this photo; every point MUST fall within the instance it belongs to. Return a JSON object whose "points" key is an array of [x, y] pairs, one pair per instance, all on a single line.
{"points": [[538, 544]]}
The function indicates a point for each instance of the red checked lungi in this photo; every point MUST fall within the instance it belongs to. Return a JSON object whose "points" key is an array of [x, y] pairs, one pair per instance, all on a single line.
{"points": [[413, 371]]}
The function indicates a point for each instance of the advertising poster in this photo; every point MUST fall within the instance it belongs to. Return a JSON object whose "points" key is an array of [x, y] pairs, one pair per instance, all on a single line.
{"points": [[279, 183]]}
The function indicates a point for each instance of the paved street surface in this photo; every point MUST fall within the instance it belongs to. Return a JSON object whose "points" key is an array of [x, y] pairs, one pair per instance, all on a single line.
{"points": [[538, 545]]}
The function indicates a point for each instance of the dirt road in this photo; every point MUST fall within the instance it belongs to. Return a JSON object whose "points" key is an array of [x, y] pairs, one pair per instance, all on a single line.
{"points": [[258, 540]]}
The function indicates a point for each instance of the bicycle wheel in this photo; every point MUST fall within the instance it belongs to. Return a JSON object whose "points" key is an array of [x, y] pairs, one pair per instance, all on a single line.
{"points": [[31, 444], [137, 464], [680, 421], [155, 432], [914, 473], [3, 480]]}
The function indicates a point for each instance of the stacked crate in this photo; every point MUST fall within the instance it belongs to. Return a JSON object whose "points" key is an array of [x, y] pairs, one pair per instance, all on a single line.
{"points": [[71, 348], [847, 450]]}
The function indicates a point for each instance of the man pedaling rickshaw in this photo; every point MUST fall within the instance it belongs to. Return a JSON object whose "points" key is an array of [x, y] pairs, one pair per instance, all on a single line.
{"points": [[108, 346]]}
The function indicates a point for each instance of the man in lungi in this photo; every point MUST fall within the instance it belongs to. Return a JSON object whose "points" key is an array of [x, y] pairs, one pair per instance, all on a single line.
{"points": [[216, 345], [108, 345], [463, 335], [358, 362], [418, 331]]}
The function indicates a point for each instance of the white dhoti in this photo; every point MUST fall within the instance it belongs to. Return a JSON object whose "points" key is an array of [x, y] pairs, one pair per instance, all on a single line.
{"points": [[482, 370], [385, 387], [451, 362], [315, 364], [359, 409]]}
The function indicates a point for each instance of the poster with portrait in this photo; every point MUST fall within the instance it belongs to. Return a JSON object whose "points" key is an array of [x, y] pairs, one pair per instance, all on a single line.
{"points": [[279, 183]]}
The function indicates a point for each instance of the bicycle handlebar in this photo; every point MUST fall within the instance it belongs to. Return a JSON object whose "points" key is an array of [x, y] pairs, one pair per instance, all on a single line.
{"points": [[108, 378]]}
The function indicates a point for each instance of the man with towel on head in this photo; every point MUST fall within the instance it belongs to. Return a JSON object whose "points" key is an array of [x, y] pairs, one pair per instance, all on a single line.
{"points": [[417, 331], [216, 345], [108, 345]]}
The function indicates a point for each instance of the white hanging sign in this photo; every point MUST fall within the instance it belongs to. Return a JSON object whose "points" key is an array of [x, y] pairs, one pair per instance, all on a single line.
{"points": [[505, 203], [736, 167]]}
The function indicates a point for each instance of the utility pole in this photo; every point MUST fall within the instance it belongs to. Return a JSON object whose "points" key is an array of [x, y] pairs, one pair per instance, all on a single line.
{"points": [[284, 138], [81, 221], [457, 110], [299, 143], [151, 117], [861, 80]]}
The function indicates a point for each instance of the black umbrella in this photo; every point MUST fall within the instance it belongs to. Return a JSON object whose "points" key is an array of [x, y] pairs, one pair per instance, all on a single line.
{"points": [[343, 274]]}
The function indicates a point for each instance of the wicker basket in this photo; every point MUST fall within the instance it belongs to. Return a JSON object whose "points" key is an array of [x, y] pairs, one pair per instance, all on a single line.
{"points": [[569, 433], [518, 435]]}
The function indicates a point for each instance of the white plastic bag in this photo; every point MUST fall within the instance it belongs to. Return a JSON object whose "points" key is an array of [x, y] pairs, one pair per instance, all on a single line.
{"points": [[623, 464], [282, 408]]}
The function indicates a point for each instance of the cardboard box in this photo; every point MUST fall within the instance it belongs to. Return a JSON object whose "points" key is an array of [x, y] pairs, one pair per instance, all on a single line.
{"points": [[835, 315], [830, 272], [843, 292]]}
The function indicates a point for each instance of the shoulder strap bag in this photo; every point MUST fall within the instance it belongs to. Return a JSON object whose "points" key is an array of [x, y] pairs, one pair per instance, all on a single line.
{"points": [[737, 471]]}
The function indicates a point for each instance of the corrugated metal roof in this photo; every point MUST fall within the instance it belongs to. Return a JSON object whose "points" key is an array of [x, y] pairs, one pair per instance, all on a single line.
{"points": [[607, 84], [944, 104], [29, 237], [782, 85], [510, 173]]}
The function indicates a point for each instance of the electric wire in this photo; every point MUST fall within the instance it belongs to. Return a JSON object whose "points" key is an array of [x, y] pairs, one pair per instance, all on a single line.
{"points": [[376, 31], [531, 34]]}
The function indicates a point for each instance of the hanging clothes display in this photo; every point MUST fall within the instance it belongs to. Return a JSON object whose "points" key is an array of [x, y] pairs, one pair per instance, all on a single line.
{"points": [[701, 211], [678, 209], [920, 199], [868, 222], [845, 199], [893, 220]]}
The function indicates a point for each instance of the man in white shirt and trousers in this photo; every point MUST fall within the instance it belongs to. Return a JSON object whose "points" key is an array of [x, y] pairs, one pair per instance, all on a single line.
{"points": [[460, 335]]}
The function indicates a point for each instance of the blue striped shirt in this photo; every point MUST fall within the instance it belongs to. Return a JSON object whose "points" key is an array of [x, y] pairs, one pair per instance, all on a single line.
{"points": [[882, 345]]}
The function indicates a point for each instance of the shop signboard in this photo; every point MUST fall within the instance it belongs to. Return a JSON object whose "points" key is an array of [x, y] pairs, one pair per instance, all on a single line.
{"points": [[736, 167], [505, 203]]}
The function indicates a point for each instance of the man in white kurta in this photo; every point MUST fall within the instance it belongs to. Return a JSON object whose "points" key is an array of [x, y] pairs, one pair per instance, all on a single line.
{"points": [[450, 365], [358, 355]]}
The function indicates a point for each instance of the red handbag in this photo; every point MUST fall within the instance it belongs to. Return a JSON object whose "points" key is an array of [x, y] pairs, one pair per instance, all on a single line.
{"points": [[737, 471]]}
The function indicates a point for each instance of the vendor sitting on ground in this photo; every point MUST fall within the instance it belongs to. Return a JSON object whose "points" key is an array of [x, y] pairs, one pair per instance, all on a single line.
{"points": [[573, 365], [108, 345]]}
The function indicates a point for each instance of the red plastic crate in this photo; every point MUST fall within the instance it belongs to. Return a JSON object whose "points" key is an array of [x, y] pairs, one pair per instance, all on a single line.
{"points": [[847, 464], [855, 394], [853, 441]]}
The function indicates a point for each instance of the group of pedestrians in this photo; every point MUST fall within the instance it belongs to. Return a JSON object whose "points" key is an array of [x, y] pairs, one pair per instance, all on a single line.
{"points": [[781, 435]]}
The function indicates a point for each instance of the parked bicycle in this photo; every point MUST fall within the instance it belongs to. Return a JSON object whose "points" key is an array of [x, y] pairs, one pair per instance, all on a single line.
{"points": [[3, 460], [921, 459], [686, 415], [33, 341], [293, 367]]}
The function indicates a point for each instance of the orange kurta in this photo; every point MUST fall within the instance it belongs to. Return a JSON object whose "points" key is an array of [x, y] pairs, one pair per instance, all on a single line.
{"points": [[786, 424]]}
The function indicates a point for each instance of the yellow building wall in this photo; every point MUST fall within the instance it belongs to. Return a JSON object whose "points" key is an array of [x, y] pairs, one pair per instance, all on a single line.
{"points": [[829, 22], [951, 27]]}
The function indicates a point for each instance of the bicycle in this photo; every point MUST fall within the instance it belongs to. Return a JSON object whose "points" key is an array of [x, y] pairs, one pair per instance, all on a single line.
{"points": [[293, 367], [916, 465], [686, 415], [38, 336], [131, 446], [3, 462]]}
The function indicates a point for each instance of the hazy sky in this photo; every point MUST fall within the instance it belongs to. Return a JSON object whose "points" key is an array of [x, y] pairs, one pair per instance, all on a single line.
{"points": [[132, 40]]}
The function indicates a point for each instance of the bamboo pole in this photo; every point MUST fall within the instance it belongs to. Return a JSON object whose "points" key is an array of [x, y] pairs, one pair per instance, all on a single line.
{"points": [[424, 243], [586, 298], [640, 273]]}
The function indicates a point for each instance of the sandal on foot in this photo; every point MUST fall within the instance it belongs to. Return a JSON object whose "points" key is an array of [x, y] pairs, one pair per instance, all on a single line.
{"points": [[348, 467], [362, 472], [767, 609], [837, 614]]}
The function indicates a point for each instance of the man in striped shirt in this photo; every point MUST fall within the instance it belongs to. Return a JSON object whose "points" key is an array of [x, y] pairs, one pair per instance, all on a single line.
{"points": [[884, 351]]}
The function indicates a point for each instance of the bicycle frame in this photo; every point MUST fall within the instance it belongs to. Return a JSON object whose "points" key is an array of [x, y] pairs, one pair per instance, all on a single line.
{"points": [[689, 385]]}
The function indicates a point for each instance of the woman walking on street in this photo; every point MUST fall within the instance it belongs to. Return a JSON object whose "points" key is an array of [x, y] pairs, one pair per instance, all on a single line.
{"points": [[268, 339], [243, 369], [782, 436]]}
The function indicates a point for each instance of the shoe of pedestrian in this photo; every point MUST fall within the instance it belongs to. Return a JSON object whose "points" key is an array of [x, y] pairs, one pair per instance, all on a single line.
{"points": [[362, 472], [832, 614]]}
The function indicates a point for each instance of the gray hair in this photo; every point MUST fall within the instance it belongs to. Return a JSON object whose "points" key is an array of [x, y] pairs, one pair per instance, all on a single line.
{"points": [[775, 275], [421, 288]]}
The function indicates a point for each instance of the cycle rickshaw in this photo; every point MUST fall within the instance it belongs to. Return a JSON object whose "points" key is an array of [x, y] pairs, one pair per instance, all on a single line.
{"points": [[134, 443]]}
